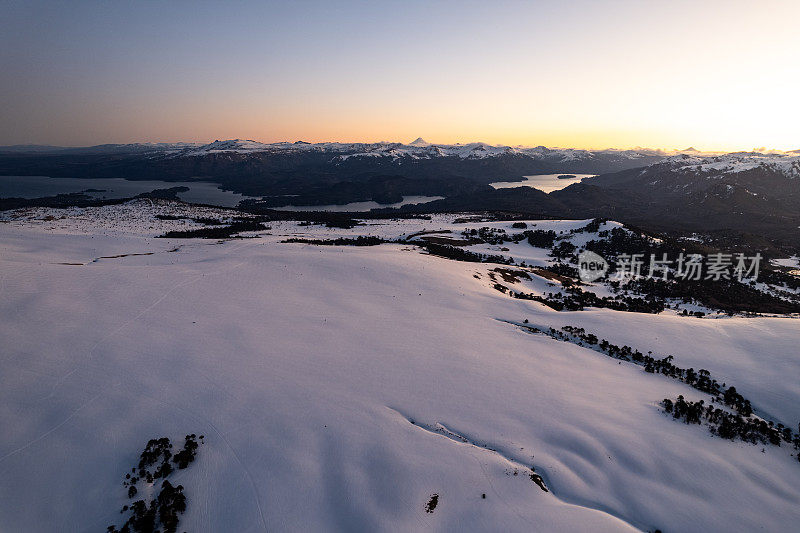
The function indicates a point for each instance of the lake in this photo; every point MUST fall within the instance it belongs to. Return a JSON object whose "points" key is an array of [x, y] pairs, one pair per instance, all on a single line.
{"points": [[544, 182], [200, 192], [360, 206], [36, 186]]}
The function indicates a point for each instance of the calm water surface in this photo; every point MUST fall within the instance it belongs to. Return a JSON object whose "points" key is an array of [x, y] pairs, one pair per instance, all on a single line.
{"points": [[544, 182], [199, 192]]}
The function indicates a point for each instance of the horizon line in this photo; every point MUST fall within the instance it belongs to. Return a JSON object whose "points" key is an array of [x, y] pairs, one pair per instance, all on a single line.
{"points": [[761, 149]]}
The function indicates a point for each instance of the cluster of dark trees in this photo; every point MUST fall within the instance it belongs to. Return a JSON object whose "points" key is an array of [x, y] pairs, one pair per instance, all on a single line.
{"points": [[564, 250], [185, 457], [459, 254], [361, 240], [576, 299], [580, 298], [591, 227], [563, 269], [541, 238], [206, 221], [432, 503], [163, 511], [170, 217], [536, 478], [731, 425], [221, 232], [496, 236], [620, 241], [59, 201], [700, 379], [739, 423], [155, 463], [729, 296], [776, 277], [538, 238], [342, 222], [330, 219], [157, 453]]}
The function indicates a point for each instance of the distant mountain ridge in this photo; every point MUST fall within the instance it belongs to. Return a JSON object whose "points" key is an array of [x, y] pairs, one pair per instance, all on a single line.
{"points": [[419, 149]]}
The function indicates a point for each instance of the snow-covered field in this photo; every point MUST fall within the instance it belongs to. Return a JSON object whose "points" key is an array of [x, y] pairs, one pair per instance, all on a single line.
{"points": [[339, 388]]}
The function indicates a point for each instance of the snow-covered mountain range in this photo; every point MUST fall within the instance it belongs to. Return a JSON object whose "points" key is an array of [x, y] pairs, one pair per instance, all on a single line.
{"points": [[786, 163], [417, 149], [421, 149]]}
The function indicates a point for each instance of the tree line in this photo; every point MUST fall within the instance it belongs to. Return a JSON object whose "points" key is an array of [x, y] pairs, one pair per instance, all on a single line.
{"points": [[739, 422]]}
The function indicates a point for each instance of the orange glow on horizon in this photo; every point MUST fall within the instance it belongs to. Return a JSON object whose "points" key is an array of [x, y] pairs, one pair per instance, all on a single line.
{"points": [[718, 76]]}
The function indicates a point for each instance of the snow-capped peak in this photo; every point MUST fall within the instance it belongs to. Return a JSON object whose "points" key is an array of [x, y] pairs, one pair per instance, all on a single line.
{"points": [[233, 145]]}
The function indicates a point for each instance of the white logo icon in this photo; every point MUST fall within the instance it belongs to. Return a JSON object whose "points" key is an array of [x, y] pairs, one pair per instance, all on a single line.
{"points": [[591, 266]]}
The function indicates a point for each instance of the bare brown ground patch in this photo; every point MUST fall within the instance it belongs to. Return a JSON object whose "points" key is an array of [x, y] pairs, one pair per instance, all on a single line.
{"points": [[547, 274], [509, 275]]}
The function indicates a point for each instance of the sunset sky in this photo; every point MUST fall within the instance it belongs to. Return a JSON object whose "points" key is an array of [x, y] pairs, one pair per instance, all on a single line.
{"points": [[714, 75]]}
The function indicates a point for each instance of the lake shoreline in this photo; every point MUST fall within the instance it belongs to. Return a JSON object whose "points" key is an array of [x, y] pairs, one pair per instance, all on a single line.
{"points": [[546, 183]]}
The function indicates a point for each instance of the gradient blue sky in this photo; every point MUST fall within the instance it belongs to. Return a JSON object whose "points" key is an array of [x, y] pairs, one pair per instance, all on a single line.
{"points": [[721, 75]]}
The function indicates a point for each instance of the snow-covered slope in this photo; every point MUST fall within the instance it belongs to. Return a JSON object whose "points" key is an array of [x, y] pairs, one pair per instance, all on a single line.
{"points": [[339, 388]]}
